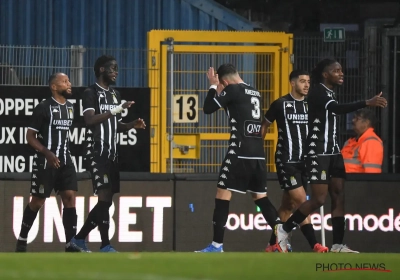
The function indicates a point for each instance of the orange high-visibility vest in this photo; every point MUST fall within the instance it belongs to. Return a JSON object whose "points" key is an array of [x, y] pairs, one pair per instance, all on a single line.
{"points": [[364, 155]]}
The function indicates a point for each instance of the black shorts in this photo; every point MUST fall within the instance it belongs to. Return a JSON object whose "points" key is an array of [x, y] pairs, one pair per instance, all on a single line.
{"points": [[321, 168], [104, 173], [243, 175], [292, 175], [44, 180]]}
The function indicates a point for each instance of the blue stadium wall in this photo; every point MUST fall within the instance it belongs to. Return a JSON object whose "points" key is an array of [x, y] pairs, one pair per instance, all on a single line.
{"points": [[107, 24]]}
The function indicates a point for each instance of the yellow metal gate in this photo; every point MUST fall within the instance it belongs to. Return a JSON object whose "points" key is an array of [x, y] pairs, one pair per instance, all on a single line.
{"points": [[198, 142]]}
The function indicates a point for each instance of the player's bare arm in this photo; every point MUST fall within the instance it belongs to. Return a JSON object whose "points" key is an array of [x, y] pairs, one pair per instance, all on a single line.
{"points": [[92, 119], [264, 128], [137, 124], [34, 143], [210, 106]]}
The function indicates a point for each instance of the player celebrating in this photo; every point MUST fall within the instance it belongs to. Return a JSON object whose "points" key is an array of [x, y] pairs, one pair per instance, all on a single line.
{"points": [[290, 113], [102, 114], [325, 166], [48, 134], [243, 169]]}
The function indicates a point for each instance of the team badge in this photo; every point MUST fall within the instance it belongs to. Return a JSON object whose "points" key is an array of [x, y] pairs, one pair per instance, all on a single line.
{"points": [[41, 189], [105, 179], [115, 99], [293, 180], [71, 113], [323, 175]]}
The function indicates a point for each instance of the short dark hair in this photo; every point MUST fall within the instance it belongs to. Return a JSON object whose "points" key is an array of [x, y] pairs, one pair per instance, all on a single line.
{"points": [[53, 77], [316, 73], [296, 73], [366, 114], [226, 69], [100, 62]]}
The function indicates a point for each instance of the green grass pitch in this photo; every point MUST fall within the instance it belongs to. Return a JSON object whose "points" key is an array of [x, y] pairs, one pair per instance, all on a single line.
{"points": [[185, 266]]}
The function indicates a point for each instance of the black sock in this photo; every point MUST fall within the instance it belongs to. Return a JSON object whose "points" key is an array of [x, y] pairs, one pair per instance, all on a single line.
{"points": [[272, 240], [221, 212], [294, 220], [269, 211], [27, 222], [103, 216], [308, 232], [69, 221], [338, 227], [89, 225]]}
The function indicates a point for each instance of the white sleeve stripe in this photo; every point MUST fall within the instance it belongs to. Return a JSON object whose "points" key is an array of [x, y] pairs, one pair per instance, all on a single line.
{"points": [[327, 103], [267, 120], [213, 86], [217, 102], [87, 109], [34, 129]]}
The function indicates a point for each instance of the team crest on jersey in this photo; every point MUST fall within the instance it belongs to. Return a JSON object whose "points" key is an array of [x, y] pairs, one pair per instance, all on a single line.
{"points": [[293, 180], [115, 98], [105, 179], [323, 175], [71, 113], [41, 189]]}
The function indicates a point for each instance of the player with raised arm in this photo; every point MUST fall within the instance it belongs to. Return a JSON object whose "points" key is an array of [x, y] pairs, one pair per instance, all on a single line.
{"points": [[48, 134], [243, 169], [102, 113], [324, 162], [291, 115]]}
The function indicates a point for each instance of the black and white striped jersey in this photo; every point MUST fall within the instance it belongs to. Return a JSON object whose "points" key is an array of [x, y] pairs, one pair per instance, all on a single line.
{"points": [[52, 121], [322, 123], [291, 118], [242, 104], [101, 138]]}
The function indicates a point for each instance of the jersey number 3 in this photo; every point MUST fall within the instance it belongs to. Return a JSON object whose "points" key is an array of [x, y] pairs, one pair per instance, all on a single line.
{"points": [[256, 112]]}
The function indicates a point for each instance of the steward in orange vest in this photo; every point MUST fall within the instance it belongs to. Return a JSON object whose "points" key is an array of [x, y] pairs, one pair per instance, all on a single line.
{"points": [[364, 153]]}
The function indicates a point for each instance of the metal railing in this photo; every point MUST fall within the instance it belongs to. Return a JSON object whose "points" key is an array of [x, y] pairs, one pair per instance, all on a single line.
{"points": [[32, 65]]}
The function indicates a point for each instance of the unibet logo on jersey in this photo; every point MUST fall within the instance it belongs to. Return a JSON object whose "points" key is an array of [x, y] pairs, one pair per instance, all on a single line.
{"points": [[252, 129]]}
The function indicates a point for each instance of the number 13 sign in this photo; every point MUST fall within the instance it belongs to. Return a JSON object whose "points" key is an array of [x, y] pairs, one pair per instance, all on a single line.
{"points": [[186, 108]]}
